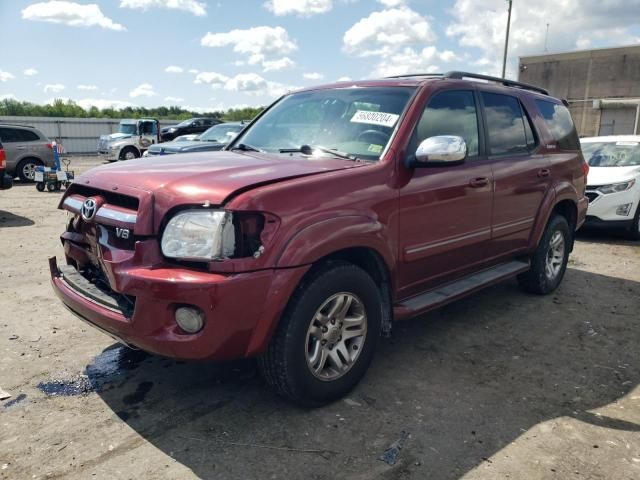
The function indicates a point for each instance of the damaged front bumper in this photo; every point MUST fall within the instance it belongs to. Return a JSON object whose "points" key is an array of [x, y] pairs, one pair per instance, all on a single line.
{"points": [[241, 310]]}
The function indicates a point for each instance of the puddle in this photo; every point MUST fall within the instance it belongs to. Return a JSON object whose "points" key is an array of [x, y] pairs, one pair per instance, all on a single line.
{"points": [[110, 365]]}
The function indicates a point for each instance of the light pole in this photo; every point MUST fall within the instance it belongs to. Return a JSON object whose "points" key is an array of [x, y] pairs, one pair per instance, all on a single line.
{"points": [[506, 41]]}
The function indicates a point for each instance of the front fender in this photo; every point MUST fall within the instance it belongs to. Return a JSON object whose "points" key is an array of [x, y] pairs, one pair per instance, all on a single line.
{"points": [[334, 234]]}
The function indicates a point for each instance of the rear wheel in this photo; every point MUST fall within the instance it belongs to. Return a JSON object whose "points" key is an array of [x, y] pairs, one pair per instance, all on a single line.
{"points": [[326, 339], [27, 169], [549, 262]]}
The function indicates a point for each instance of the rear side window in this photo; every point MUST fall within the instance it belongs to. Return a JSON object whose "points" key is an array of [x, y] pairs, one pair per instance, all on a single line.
{"points": [[451, 113], [508, 127], [10, 135], [560, 124]]}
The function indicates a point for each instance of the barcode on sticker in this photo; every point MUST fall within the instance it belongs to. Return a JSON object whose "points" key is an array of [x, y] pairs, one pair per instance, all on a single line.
{"points": [[375, 118]]}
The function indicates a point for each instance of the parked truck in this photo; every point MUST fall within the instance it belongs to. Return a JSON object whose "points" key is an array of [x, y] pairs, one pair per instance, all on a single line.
{"points": [[132, 139]]}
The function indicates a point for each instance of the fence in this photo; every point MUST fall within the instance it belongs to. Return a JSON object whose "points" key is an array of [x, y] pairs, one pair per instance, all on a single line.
{"points": [[78, 135]]}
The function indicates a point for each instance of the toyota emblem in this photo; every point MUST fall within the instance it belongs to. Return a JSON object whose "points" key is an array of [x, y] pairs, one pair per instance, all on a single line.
{"points": [[89, 208]]}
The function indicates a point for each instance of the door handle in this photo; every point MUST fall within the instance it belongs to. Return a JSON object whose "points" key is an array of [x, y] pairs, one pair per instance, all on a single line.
{"points": [[544, 172], [21, 148], [479, 182]]}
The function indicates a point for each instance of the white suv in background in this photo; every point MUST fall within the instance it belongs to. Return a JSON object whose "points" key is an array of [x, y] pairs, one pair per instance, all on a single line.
{"points": [[613, 184]]}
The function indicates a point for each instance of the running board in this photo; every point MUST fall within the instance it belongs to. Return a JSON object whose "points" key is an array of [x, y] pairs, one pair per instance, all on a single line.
{"points": [[454, 290]]}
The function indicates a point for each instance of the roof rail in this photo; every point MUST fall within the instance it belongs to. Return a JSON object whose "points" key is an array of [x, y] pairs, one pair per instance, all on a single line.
{"points": [[409, 75], [503, 81]]}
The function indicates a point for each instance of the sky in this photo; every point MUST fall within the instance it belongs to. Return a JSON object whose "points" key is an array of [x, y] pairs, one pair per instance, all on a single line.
{"points": [[213, 55]]}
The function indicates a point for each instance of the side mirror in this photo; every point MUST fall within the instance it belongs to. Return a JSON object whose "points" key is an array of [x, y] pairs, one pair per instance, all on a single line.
{"points": [[440, 151]]}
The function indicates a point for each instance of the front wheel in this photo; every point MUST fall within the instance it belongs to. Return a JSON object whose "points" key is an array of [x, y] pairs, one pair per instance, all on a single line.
{"points": [[634, 231], [326, 339], [549, 262], [129, 153]]}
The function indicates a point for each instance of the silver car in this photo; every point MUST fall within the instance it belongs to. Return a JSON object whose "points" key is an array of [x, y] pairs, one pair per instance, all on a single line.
{"points": [[25, 147]]}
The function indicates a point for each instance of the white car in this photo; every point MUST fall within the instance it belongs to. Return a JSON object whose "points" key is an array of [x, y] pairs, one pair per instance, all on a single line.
{"points": [[613, 183]]}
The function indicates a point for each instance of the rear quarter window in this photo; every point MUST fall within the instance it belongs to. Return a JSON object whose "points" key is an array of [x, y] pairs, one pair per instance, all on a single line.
{"points": [[560, 125]]}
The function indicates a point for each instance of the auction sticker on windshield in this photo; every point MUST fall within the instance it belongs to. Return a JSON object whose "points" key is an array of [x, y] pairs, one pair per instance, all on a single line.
{"points": [[375, 118]]}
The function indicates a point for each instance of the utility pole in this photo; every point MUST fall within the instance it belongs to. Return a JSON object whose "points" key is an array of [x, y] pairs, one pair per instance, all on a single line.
{"points": [[506, 41], [546, 37]]}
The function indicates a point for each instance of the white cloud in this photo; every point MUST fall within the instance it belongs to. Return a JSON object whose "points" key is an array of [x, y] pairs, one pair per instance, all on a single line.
{"points": [[174, 69], [89, 88], [70, 13], [7, 96], [4, 76], [216, 80], [194, 71], [259, 44], [29, 72], [392, 3], [344, 79], [396, 36], [277, 65], [174, 99], [193, 6], [303, 8], [312, 76], [247, 83], [480, 24], [53, 87], [143, 90], [101, 103]]}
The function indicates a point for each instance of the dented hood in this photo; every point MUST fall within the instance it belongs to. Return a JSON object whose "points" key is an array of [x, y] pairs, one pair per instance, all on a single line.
{"points": [[206, 176]]}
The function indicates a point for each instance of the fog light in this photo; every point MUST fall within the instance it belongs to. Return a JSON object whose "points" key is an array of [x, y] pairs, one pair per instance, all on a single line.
{"points": [[190, 319], [624, 210]]}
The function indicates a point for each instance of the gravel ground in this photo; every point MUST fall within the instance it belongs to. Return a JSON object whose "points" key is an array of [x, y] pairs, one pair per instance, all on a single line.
{"points": [[499, 385]]}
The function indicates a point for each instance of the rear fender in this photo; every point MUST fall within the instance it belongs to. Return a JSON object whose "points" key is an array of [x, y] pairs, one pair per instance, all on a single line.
{"points": [[562, 191]]}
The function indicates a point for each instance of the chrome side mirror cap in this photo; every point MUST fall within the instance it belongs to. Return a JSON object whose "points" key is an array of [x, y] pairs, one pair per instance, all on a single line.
{"points": [[440, 151]]}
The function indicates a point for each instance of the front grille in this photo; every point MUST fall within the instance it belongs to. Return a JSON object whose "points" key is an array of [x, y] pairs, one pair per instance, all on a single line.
{"points": [[112, 198]]}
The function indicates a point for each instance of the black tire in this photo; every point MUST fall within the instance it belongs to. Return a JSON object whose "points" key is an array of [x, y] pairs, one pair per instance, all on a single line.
{"points": [[40, 186], [51, 187], [26, 169], [284, 365], [634, 231], [123, 153], [537, 279]]}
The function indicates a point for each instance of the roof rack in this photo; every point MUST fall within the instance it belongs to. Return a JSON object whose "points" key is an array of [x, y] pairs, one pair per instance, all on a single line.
{"points": [[503, 81], [409, 75], [462, 75]]}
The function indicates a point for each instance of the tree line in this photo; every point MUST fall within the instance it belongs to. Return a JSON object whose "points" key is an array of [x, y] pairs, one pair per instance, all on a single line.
{"points": [[68, 108]]}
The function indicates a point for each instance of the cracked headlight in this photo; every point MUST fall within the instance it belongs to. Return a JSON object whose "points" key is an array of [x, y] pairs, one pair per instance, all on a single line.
{"points": [[617, 187], [199, 235]]}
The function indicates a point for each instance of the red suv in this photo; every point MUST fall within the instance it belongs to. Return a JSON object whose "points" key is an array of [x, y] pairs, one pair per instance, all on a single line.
{"points": [[6, 180], [339, 210]]}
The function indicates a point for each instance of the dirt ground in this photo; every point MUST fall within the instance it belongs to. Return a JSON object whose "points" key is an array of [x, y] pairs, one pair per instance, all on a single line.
{"points": [[499, 385]]}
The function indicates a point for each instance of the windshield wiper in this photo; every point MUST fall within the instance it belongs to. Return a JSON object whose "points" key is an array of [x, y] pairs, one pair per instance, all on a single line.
{"points": [[308, 150], [246, 148]]}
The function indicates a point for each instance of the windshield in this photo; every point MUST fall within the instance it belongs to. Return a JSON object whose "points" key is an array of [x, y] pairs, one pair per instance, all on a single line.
{"points": [[354, 121], [220, 133], [128, 128], [184, 123], [612, 154]]}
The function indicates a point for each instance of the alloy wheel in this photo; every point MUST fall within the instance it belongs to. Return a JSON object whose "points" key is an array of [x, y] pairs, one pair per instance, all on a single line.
{"points": [[336, 336], [555, 255]]}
